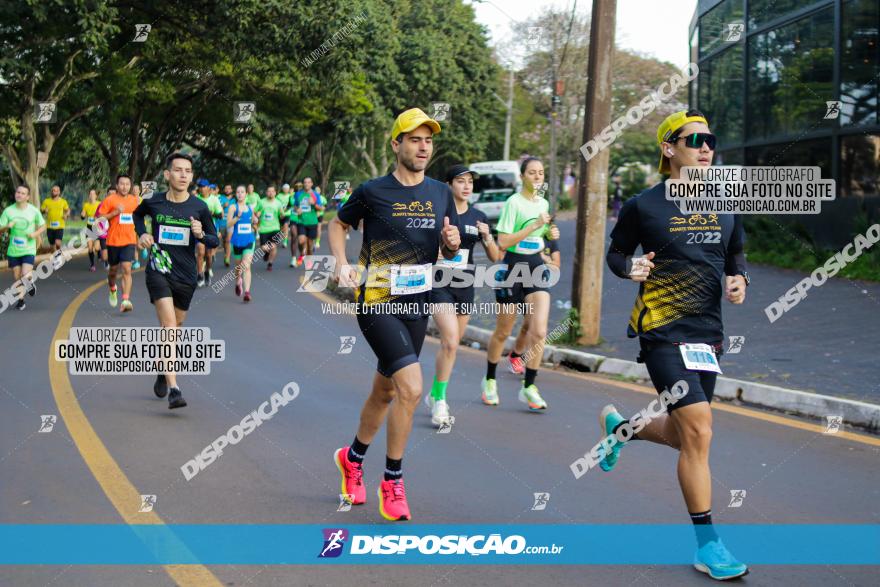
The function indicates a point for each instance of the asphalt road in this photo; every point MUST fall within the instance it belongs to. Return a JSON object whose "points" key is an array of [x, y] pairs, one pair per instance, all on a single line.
{"points": [[484, 471]]}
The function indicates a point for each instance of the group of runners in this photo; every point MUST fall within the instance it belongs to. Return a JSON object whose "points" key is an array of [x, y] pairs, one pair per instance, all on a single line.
{"points": [[247, 222], [410, 223], [677, 310]]}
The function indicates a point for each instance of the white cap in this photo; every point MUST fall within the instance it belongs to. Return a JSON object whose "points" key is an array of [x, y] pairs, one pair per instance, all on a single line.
{"points": [[285, 186]]}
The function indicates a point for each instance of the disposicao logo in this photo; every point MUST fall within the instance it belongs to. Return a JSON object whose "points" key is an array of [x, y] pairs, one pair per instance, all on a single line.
{"points": [[334, 541]]}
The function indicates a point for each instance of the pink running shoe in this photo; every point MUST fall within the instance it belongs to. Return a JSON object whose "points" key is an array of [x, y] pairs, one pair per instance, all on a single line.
{"points": [[517, 367], [392, 501], [352, 487]]}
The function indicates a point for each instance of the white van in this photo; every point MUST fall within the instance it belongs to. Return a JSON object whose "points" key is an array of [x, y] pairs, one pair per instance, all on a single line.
{"points": [[498, 181]]}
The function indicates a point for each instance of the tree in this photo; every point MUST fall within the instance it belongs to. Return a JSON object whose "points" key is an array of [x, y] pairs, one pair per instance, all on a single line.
{"points": [[634, 77], [50, 51]]}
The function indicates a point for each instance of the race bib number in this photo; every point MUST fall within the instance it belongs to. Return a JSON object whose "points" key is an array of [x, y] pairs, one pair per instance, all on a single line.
{"points": [[268, 216], [529, 245], [173, 235], [459, 261], [125, 219], [54, 224], [305, 206], [410, 279], [699, 357], [19, 241], [245, 228]]}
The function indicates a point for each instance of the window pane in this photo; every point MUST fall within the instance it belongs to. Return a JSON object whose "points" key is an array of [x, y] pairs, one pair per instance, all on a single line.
{"points": [[833, 223], [714, 29], [813, 153], [790, 77], [761, 11], [860, 166], [860, 62], [721, 95]]}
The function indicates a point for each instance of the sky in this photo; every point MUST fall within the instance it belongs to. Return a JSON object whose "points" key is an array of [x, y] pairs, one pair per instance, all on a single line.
{"points": [[636, 22]]}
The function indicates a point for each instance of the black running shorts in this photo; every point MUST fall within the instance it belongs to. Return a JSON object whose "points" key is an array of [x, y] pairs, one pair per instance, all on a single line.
{"points": [[117, 255], [54, 234], [517, 292], [268, 237], [395, 342], [160, 286], [462, 297], [666, 367], [310, 231]]}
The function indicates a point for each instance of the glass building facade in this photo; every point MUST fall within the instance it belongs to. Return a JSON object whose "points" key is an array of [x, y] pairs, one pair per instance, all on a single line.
{"points": [[768, 69]]}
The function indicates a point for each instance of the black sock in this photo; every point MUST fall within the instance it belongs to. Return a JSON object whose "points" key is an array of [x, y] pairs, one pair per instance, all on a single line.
{"points": [[514, 355], [91, 258], [530, 377], [490, 369], [633, 437], [393, 468], [703, 527], [357, 451]]}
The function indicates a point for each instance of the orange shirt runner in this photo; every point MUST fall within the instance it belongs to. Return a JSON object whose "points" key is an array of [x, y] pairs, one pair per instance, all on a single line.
{"points": [[121, 230]]}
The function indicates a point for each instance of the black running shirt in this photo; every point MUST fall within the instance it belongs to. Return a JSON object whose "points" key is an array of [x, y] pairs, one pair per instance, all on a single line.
{"points": [[171, 231], [402, 226], [470, 236], [681, 299]]}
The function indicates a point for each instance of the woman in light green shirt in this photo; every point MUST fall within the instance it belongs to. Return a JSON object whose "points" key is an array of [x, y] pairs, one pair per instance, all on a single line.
{"points": [[522, 228], [25, 224]]}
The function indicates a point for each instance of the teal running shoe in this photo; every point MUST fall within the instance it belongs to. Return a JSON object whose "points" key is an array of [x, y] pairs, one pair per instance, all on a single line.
{"points": [[609, 418], [715, 560]]}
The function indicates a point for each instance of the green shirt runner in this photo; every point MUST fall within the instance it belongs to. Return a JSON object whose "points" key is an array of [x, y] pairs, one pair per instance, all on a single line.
{"points": [[305, 201], [519, 212], [214, 205], [23, 223], [285, 201], [270, 215]]}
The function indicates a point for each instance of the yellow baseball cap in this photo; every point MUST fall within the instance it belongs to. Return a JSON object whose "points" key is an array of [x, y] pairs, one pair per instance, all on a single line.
{"points": [[411, 119], [667, 128]]}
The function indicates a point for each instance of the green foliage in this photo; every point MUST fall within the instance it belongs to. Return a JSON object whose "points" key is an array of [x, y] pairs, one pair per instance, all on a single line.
{"points": [[791, 246], [574, 332], [326, 77]]}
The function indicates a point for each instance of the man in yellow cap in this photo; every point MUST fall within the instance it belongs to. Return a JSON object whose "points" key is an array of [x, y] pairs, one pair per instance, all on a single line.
{"points": [[685, 270], [406, 218]]}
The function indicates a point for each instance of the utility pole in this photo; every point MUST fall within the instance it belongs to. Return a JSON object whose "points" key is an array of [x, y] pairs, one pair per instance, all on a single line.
{"points": [[508, 104], [586, 290], [554, 101], [509, 122]]}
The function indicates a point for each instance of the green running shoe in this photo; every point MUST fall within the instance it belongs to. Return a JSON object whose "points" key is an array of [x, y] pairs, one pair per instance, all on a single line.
{"points": [[530, 396]]}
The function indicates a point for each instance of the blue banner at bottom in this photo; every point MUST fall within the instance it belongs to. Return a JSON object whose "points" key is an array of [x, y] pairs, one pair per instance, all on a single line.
{"points": [[271, 544]]}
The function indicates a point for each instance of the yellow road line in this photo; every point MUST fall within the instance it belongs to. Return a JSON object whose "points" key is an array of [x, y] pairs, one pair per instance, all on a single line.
{"points": [[119, 490], [723, 407]]}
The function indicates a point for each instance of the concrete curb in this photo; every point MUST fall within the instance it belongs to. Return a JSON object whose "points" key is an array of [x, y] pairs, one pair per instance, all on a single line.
{"points": [[801, 403]]}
